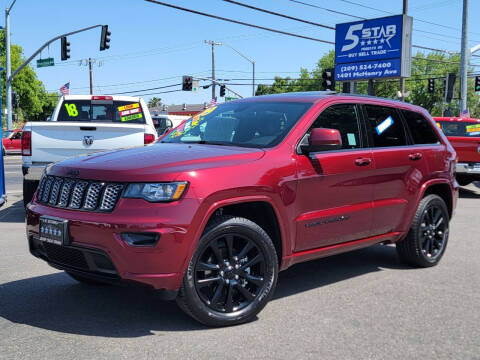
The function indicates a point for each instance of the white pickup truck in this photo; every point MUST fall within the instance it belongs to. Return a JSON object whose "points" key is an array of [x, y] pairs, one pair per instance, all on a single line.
{"points": [[83, 124]]}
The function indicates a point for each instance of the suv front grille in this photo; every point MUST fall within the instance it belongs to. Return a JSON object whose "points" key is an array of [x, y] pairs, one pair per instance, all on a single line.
{"points": [[78, 194]]}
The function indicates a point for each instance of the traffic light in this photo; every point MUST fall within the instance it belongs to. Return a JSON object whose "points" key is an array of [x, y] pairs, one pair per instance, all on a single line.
{"points": [[450, 86], [328, 76], [65, 48], [187, 83], [431, 86], [477, 83], [222, 90], [15, 99], [105, 38]]}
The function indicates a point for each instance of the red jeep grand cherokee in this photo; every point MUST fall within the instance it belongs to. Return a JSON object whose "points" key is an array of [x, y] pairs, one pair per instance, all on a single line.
{"points": [[214, 210], [464, 135]]}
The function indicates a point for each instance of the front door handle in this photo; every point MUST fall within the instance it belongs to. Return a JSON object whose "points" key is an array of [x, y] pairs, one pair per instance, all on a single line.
{"points": [[415, 156], [363, 161]]}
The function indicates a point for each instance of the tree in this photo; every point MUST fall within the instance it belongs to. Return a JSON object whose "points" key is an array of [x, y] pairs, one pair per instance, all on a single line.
{"points": [[433, 65], [154, 102], [35, 102]]}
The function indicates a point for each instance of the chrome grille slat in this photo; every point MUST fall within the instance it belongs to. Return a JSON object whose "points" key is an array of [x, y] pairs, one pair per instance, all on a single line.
{"points": [[93, 193], [55, 190], [110, 196], [65, 193], [76, 194]]}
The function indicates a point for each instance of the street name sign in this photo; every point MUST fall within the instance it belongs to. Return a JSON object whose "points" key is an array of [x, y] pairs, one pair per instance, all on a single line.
{"points": [[374, 48], [45, 62]]}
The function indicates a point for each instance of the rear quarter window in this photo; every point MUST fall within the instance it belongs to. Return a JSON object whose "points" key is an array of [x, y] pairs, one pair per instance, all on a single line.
{"points": [[385, 126], [420, 128], [128, 112]]}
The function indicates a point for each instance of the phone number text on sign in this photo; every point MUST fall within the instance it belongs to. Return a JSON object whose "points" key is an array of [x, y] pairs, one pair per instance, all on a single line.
{"points": [[367, 70]]}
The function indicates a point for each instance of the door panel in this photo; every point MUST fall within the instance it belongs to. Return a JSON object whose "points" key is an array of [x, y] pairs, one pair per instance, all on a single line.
{"points": [[334, 199]]}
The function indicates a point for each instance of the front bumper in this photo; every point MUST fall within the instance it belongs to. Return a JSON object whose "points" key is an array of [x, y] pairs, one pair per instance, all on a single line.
{"points": [[33, 171], [95, 236], [468, 168]]}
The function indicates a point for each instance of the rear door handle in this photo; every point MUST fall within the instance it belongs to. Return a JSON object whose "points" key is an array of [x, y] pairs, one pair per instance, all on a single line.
{"points": [[363, 161], [415, 156]]}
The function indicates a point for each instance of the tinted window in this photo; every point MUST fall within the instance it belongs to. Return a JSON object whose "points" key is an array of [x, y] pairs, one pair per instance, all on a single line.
{"points": [[344, 119], [17, 135], [385, 126], [127, 112], [249, 124], [420, 128], [453, 128]]}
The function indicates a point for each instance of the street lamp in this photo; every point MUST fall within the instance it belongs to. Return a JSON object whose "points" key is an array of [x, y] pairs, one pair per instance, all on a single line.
{"points": [[248, 59]]}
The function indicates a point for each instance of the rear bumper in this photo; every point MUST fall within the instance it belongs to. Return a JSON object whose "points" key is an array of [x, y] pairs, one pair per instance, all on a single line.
{"points": [[33, 171], [468, 168]]}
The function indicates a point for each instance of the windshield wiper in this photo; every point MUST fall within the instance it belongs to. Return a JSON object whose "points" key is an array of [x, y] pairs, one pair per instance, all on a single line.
{"points": [[209, 142]]}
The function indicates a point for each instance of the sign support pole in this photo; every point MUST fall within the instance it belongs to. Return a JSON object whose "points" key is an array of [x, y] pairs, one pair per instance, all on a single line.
{"points": [[402, 79]]}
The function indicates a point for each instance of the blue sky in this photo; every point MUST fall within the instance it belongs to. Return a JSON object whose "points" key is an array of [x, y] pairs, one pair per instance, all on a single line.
{"points": [[153, 46]]}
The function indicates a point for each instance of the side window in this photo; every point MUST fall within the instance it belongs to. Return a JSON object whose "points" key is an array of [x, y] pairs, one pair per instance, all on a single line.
{"points": [[17, 136], [385, 126], [420, 128], [343, 118]]}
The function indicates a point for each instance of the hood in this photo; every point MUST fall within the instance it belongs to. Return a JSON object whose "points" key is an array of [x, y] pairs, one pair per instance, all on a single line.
{"points": [[158, 162]]}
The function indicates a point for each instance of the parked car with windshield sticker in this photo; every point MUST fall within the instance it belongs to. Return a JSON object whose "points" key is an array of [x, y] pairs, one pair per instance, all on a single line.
{"points": [[464, 135], [80, 125], [210, 214]]}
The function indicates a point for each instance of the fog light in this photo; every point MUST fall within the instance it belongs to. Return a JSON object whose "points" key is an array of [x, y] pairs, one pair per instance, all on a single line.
{"points": [[140, 239]]}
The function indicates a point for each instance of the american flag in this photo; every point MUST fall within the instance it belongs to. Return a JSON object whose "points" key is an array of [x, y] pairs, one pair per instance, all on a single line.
{"points": [[213, 101], [465, 113], [65, 89]]}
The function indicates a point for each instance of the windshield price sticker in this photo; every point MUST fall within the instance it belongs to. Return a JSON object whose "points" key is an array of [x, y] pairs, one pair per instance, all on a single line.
{"points": [[473, 128], [71, 110], [128, 107], [131, 117], [129, 112]]}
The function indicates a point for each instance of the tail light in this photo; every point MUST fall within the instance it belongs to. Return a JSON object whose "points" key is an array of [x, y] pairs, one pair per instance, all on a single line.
{"points": [[148, 138], [96, 97], [27, 143]]}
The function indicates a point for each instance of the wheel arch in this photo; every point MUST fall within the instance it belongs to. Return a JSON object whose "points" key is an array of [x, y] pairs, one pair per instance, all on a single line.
{"points": [[253, 208], [441, 188]]}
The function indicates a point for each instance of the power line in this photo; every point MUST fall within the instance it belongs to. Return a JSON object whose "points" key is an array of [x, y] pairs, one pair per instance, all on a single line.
{"points": [[159, 92], [322, 8], [155, 88], [279, 14], [240, 22]]}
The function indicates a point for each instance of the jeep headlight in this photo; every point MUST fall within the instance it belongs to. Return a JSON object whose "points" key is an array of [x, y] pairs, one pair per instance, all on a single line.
{"points": [[156, 192]]}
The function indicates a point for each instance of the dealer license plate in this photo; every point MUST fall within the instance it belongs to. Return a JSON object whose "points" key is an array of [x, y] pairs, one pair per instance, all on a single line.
{"points": [[53, 230]]}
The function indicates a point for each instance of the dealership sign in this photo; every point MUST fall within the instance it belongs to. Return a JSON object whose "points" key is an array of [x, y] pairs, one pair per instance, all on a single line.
{"points": [[376, 48]]}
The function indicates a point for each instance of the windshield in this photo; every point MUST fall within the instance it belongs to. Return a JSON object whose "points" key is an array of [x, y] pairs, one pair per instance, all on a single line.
{"points": [[6, 134], [464, 128], [249, 124], [127, 112]]}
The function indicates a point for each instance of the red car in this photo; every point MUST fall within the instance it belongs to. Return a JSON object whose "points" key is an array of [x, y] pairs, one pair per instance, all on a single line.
{"points": [[210, 213], [464, 135], [12, 141]]}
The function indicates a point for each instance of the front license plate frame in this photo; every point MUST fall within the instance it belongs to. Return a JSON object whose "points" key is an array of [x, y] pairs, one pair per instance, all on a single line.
{"points": [[53, 230]]}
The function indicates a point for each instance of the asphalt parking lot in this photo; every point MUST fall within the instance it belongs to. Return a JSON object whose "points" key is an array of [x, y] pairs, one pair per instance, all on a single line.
{"points": [[359, 305]]}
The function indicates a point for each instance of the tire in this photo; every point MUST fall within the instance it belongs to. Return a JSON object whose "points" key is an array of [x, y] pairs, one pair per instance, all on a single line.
{"points": [[241, 259], [29, 188], [84, 280], [427, 239]]}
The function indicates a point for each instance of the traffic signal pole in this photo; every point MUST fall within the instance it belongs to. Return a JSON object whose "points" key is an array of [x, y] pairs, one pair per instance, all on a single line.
{"points": [[464, 56], [8, 83], [9, 77], [91, 75]]}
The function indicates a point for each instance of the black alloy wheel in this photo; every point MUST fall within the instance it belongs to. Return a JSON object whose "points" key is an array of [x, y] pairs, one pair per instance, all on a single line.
{"points": [[427, 239], [433, 232], [229, 273], [232, 274]]}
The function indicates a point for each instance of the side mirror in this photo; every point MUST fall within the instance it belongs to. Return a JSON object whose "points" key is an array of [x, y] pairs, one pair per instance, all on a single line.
{"points": [[324, 139]]}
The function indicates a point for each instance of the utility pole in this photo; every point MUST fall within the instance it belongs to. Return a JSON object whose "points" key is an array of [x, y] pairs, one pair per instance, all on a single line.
{"points": [[8, 84], [402, 79], [91, 75], [213, 43], [464, 57]]}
